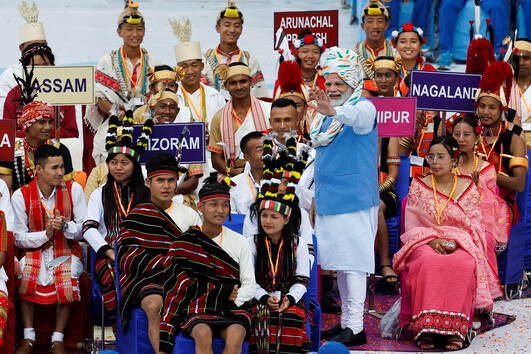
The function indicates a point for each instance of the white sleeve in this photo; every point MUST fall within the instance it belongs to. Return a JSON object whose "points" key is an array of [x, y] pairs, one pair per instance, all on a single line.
{"points": [[306, 233], [247, 289], [7, 83], [5, 205], [297, 290], [360, 117], [250, 225], [306, 186], [75, 227], [23, 237], [96, 237], [259, 290], [259, 87]]}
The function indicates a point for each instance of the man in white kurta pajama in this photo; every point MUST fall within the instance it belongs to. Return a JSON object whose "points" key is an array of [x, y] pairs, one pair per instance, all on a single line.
{"points": [[346, 186]]}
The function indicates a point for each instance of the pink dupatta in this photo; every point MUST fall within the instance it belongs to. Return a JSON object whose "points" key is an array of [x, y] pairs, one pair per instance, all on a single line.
{"points": [[461, 222]]}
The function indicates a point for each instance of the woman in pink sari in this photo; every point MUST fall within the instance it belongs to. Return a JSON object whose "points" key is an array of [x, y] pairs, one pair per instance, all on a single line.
{"points": [[444, 250], [495, 215]]}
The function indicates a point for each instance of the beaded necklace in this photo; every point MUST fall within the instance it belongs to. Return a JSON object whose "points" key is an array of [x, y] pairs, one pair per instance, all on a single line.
{"points": [[132, 84], [188, 102], [273, 268], [434, 185]]}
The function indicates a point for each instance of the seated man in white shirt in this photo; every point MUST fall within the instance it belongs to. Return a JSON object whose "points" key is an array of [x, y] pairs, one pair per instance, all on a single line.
{"points": [[48, 220], [244, 193], [213, 266]]}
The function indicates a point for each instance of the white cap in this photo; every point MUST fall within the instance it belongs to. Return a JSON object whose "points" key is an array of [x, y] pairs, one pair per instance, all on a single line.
{"points": [[31, 32], [187, 51]]}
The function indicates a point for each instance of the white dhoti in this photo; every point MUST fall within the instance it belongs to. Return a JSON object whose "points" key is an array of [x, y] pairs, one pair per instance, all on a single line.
{"points": [[346, 241], [346, 244]]}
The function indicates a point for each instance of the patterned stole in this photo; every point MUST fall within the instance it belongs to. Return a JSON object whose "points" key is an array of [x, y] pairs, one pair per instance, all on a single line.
{"points": [[227, 124], [37, 222]]}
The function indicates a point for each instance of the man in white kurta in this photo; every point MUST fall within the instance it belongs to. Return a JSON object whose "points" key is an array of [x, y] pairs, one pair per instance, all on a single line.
{"points": [[201, 100], [120, 75], [346, 186], [48, 195], [229, 25], [242, 114]]}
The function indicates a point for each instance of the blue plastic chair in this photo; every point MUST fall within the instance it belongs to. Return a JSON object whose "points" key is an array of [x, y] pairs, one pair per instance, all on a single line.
{"points": [[98, 312], [312, 295], [136, 339], [184, 344], [236, 224]]}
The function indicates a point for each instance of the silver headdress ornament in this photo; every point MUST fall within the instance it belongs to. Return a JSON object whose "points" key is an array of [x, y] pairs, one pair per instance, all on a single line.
{"points": [[182, 29], [30, 13]]}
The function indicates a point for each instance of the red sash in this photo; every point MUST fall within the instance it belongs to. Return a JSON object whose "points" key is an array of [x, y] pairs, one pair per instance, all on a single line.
{"points": [[62, 246]]}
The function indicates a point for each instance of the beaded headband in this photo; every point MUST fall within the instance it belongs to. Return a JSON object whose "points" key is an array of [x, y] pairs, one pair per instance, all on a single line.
{"points": [[124, 150], [276, 206]]}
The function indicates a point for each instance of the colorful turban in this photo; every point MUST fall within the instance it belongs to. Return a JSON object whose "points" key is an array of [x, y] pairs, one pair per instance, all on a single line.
{"points": [[344, 63], [34, 111]]}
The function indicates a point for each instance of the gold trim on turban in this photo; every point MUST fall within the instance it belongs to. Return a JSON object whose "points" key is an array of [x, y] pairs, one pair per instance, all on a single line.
{"points": [[175, 75], [225, 72], [395, 65], [162, 95]]}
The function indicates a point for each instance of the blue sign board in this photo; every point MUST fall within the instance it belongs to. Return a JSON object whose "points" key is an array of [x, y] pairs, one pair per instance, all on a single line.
{"points": [[165, 138], [447, 92]]}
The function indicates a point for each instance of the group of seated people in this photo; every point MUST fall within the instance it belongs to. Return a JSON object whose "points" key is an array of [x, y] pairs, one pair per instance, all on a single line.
{"points": [[161, 224]]}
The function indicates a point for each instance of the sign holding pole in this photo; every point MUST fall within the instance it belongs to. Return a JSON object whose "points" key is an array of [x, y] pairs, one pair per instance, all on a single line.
{"points": [[7, 140], [448, 92], [395, 116], [324, 24]]}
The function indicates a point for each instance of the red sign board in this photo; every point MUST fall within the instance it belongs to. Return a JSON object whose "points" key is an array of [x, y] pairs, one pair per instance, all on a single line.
{"points": [[7, 140], [324, 24], [396, 116]]}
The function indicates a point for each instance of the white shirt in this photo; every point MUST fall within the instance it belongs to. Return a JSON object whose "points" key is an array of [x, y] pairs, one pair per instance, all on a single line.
{"points": [[360, 116], [5, 204], [244, 193], [213, 102], [96, 237], [7, 83], [303, 269], [238, 249], [184, 216], [26, 239]]}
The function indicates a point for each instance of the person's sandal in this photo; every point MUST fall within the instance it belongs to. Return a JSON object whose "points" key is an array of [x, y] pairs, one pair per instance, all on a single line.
{"points": [[390, 279], [425, 342], [454, 343]]}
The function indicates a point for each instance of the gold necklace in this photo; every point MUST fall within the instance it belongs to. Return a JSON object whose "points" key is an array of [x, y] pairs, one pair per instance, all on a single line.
{"points": [[434, 185]]}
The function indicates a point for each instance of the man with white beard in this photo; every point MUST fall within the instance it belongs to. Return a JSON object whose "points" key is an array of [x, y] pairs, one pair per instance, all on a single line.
{"points": [[345, 208]]}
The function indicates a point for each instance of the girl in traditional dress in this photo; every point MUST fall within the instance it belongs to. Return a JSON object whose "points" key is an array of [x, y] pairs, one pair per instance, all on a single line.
{"points": [[281, 257], [109, 205], [386, 74], [408, 41], [307, 49], [444, 252]]}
